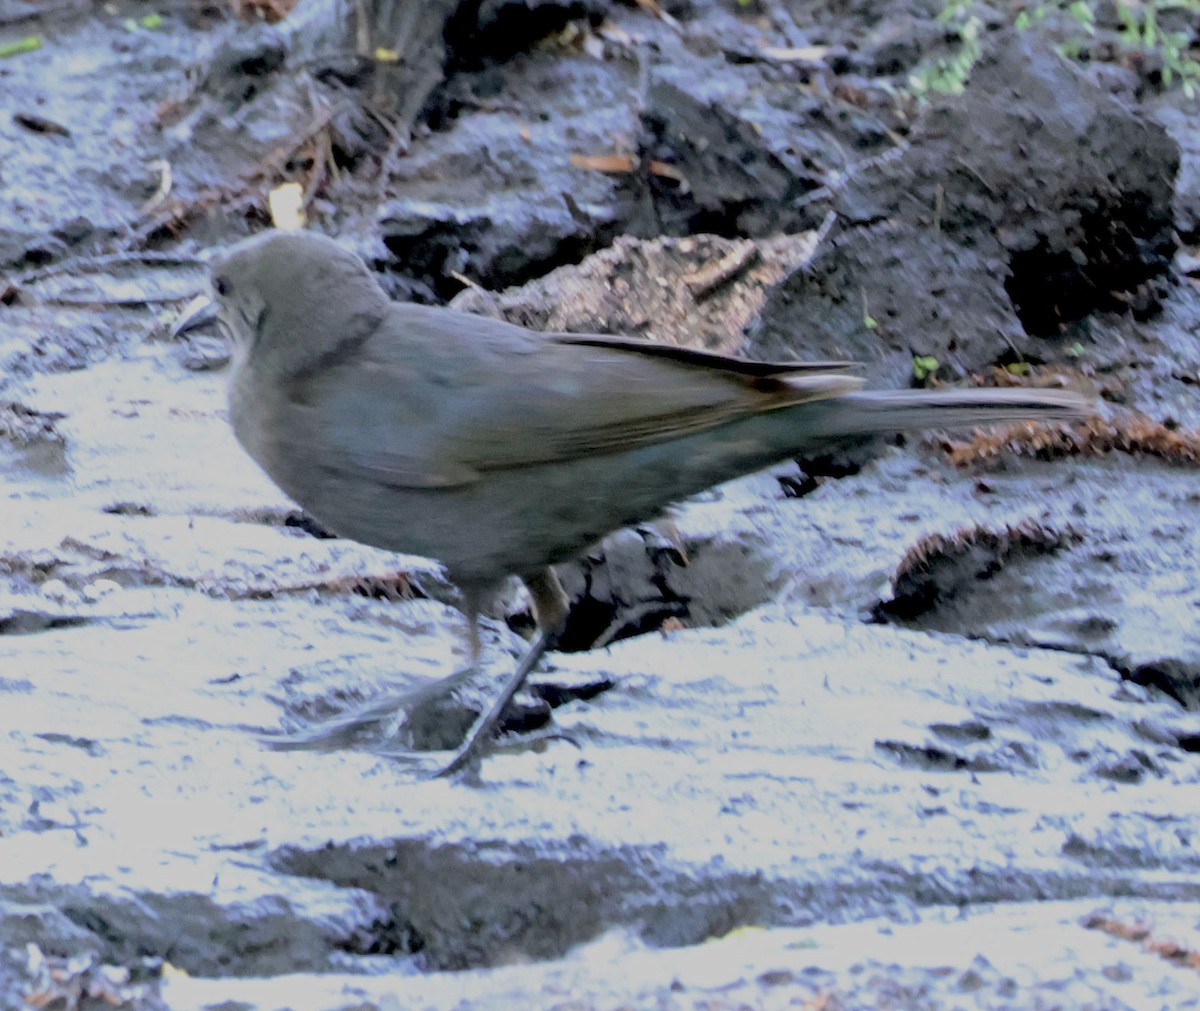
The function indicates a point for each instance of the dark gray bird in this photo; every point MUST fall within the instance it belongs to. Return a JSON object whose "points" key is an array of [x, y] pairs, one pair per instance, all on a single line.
{"points": [[498, 450]]}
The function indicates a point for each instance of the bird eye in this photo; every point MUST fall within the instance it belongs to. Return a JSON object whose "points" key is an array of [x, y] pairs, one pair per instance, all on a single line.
{"points": [[222, 286]]}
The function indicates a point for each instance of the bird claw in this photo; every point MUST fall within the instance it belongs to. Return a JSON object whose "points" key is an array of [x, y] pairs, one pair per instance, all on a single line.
{"points": [[344, 731], [436, 764], [440, 764], [428, 712], [424, 711]]}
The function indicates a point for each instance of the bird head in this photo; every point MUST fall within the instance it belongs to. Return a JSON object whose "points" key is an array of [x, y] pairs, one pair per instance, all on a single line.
{"points": [[298, 289]]}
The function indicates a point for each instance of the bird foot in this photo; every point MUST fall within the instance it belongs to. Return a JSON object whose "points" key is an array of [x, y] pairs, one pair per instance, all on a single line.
{"points": [[440, 764], [429, 717], [441, 733]]}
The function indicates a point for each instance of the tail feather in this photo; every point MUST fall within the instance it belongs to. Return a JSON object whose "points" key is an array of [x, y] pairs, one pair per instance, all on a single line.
{"points": [[875, 411]]}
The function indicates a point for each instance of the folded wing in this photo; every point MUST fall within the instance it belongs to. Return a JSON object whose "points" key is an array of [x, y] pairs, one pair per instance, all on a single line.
{"points": [[484, 396]]}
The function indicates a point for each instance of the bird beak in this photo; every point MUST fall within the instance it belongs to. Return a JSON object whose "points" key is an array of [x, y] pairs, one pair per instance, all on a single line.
{"points": [[201, 311]]}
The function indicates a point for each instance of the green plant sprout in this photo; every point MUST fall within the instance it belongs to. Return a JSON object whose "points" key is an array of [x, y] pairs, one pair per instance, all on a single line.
{"points": [[1140, 29]]}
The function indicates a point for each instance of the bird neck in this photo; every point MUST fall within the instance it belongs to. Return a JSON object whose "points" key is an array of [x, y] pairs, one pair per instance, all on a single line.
{"points": [[302, 338]]}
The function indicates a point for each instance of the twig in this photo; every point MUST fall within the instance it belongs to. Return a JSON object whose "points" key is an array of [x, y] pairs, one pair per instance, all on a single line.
{"points": [[102, 302], [91, 264], [707, 279], [163, 189], [275, 161]]}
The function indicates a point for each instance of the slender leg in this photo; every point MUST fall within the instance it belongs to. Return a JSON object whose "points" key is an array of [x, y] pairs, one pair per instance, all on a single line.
{"points": [[365, 725], [550, 607], [550, 603], [471, 610], [424, 707]]}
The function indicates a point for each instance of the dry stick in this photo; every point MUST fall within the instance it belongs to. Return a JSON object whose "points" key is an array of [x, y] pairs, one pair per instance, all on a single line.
{"points": [[962, 163], [399, 138], [362, 29], [322, 159], [272, 163], [91, 264], [467, 282], [642, 93], [818, 238], [230, 197], [101, 302], [174, 215], [842, 176], [322, 150], [703, 282], [163, 190]]}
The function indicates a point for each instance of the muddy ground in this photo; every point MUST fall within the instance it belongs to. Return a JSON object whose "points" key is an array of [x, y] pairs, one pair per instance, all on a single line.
{"points": [[915, 725]]}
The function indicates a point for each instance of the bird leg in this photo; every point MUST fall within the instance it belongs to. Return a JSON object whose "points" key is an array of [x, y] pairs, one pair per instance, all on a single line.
{"points": [[550, 608], [426, 703], [428, 712]]}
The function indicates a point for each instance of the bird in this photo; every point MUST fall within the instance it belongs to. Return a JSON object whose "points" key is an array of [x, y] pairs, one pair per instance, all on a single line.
{"points": [[498, 450]]}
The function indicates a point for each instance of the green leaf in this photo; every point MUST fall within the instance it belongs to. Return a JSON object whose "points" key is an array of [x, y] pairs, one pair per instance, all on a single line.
{"points": [[1081, 11], [29, 44], [924, 366]]}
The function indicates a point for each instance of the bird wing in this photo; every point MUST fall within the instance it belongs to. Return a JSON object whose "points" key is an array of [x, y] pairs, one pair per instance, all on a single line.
{"points": [[599, 395], [470, 395], [693, 356]]}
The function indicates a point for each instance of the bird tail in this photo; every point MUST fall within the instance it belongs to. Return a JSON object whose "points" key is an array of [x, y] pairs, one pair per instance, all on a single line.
{"points": [[868, 412]]}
